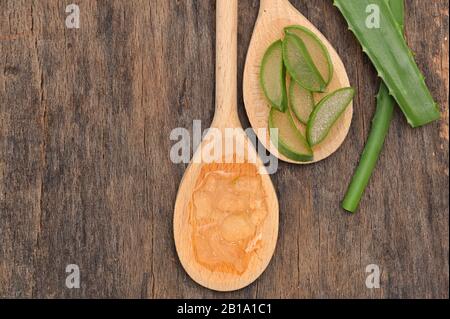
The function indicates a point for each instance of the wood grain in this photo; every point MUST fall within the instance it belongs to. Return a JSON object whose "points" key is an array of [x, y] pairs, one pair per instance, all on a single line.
{"points": [[85, 174]]}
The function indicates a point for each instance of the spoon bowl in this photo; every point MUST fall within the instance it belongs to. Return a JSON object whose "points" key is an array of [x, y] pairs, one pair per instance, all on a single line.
{"points": [[273, 17], [241, 160]]}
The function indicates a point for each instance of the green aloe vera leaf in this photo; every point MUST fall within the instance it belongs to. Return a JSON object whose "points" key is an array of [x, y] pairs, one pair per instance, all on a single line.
{"points": [[374, 145], [398, 10], [378, 132], [273, 76], [326, 113], [291, 143], [301, 102], [300, 65], [316, 49], [392, 58]]}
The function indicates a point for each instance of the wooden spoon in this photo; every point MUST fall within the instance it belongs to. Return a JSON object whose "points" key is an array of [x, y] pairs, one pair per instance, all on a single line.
{"points": [[274, 16], [226, 116]]}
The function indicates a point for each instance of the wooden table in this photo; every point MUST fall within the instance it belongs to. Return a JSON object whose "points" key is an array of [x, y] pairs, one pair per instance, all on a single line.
{"points": [[86, 179]]}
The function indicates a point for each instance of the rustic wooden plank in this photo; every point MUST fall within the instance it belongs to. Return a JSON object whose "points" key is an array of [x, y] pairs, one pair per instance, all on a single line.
{"points": [[21, 141], [85, 176]]}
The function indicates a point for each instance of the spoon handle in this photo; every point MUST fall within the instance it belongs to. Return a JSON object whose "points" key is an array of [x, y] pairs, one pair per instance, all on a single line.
{"points": [[265, 5], [226, 64]]}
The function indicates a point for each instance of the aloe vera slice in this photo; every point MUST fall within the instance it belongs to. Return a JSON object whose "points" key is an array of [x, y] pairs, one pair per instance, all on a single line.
{"points": [[301, 102], [300, 64], [392, 58], [316, 49], [326, 114], [291, 143], [273, 76]]}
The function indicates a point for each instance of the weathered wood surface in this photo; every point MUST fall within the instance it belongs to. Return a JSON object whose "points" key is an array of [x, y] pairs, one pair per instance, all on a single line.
{"points": [[85, 174]]}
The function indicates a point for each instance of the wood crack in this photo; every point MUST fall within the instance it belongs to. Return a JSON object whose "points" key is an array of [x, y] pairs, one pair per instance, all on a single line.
{"points": [[43, 148]]}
